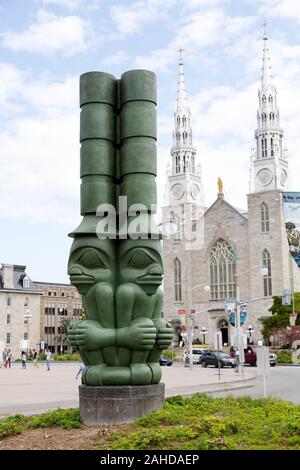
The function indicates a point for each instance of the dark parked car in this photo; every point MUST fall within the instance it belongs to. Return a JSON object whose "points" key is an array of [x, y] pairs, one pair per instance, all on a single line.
{"points": [[210, 358], [165, 361], [250, 356]]}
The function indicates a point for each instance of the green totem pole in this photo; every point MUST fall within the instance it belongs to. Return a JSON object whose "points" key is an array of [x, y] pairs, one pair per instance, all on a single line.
{"points": [[115, 260]]}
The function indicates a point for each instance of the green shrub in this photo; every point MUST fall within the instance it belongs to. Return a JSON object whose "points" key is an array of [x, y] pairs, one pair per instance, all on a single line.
{"points": [[168, 353], [284, 357], [67, 419], [67, 357]]}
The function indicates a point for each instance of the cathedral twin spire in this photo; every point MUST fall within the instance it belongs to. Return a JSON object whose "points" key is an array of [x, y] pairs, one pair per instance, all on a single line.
{"points": [[269, 160], [269, 163], [183, 153]]}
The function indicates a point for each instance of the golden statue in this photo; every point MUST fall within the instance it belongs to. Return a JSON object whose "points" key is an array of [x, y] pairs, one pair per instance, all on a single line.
{"points": [[220, 186]]}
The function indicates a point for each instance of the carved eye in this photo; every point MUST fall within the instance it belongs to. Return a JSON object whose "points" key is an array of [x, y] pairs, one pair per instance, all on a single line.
{"points": [[140, 259], [91, 259]]}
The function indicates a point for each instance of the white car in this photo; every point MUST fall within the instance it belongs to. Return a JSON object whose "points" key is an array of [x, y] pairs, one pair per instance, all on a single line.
{"points": [[272, 359], [196, 354]]}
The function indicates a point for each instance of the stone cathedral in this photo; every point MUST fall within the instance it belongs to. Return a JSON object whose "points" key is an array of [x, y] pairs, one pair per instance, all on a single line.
{"points": [[234, 245]]}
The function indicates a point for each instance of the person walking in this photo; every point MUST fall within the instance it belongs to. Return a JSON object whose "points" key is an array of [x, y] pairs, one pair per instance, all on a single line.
{"points": [[48, 358], [9, 358], [4, 354], [80, 370], [35, 359], [23, 359]]}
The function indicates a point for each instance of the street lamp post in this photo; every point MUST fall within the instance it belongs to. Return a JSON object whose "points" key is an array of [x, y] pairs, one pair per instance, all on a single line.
{"points": [[27, 317], [204, 332], [250, 330]]}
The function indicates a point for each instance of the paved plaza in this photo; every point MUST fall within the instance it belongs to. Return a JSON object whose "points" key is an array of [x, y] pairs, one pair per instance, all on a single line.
{"points": [[31, 390]]}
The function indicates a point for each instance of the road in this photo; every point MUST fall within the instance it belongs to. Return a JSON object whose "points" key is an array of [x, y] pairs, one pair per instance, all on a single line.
{"points": [[283, 382], [34, 390]]}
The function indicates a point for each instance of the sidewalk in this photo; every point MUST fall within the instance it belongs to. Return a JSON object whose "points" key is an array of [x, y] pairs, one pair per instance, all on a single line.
{"points": [[32, 391]]}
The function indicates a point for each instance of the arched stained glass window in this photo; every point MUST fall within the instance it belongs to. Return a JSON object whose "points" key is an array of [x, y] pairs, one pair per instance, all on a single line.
{"points": [[264, 216], [222, 271], [267, 279]]}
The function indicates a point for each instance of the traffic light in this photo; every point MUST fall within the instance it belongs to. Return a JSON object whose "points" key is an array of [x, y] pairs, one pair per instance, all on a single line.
{"points": [[286, 297]]}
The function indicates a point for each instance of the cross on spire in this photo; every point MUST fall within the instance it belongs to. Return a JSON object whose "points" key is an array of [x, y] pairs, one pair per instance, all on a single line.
{"points": [[180, 50], [264, 27]]}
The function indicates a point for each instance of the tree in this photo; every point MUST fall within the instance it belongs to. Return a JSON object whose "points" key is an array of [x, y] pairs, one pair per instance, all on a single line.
{"points": [[280, 315], [286, 335]]}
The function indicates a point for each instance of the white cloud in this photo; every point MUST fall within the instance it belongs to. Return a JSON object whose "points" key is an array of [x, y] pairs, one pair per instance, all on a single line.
{"points": [[130, 18], [115, 59], [11, 82], [197, 33], [40, 168], [72, 4], [50, 34], [281, 9], [53, 98]]}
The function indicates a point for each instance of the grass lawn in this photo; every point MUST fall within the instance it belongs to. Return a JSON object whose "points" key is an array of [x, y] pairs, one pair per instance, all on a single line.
{"points": [[199, 422]]}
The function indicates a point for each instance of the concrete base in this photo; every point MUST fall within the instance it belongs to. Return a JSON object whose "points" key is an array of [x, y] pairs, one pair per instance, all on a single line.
{"points": [[118, 404]]}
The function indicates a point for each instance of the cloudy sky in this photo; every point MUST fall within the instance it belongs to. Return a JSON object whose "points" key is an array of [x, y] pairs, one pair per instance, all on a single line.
{"points": [[46, 44]]}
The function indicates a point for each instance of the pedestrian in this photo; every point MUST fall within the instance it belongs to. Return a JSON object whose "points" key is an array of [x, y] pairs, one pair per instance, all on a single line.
{"points": [[4, 354], [35, 359], [9, 358], [80, 370], [48, 358], [237, 361], [23, 359]]}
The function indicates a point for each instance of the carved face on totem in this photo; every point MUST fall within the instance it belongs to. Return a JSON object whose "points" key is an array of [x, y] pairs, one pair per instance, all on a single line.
{"points": [[91, 261], [140, 262]]}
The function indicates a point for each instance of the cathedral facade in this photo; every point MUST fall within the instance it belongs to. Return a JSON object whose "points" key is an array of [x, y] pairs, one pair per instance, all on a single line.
{"points": [[218, 255]]}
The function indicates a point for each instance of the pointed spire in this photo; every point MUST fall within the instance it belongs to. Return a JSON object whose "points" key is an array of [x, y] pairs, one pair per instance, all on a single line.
{"points": [[181, 95], [268, 135], [266, 68]]}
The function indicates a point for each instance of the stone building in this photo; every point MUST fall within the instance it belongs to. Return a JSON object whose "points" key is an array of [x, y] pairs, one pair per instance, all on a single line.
{"points": [[229, 246], [60, 305], [19, 310]]}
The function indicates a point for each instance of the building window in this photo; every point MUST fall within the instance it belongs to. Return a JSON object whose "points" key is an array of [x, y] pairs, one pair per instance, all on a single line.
{"points": [[267, 279], [270, 99], [184, 164], [177, 234], [272, 147], [8, 319], [177, 162], [26, 302], [8, 338], [184, 136], [184, 121], [193, 164], [26, 283], [54, 293], [25, 336], [222, 271], [178, 284], [49, 293], [177, 138], [264, 215], [8, 301], [62, 294], [264, 147], [62, 310]]}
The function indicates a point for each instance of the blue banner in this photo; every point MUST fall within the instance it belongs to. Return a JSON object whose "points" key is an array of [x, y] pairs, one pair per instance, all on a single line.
{"points": [[291, 209], [230, 309]]}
